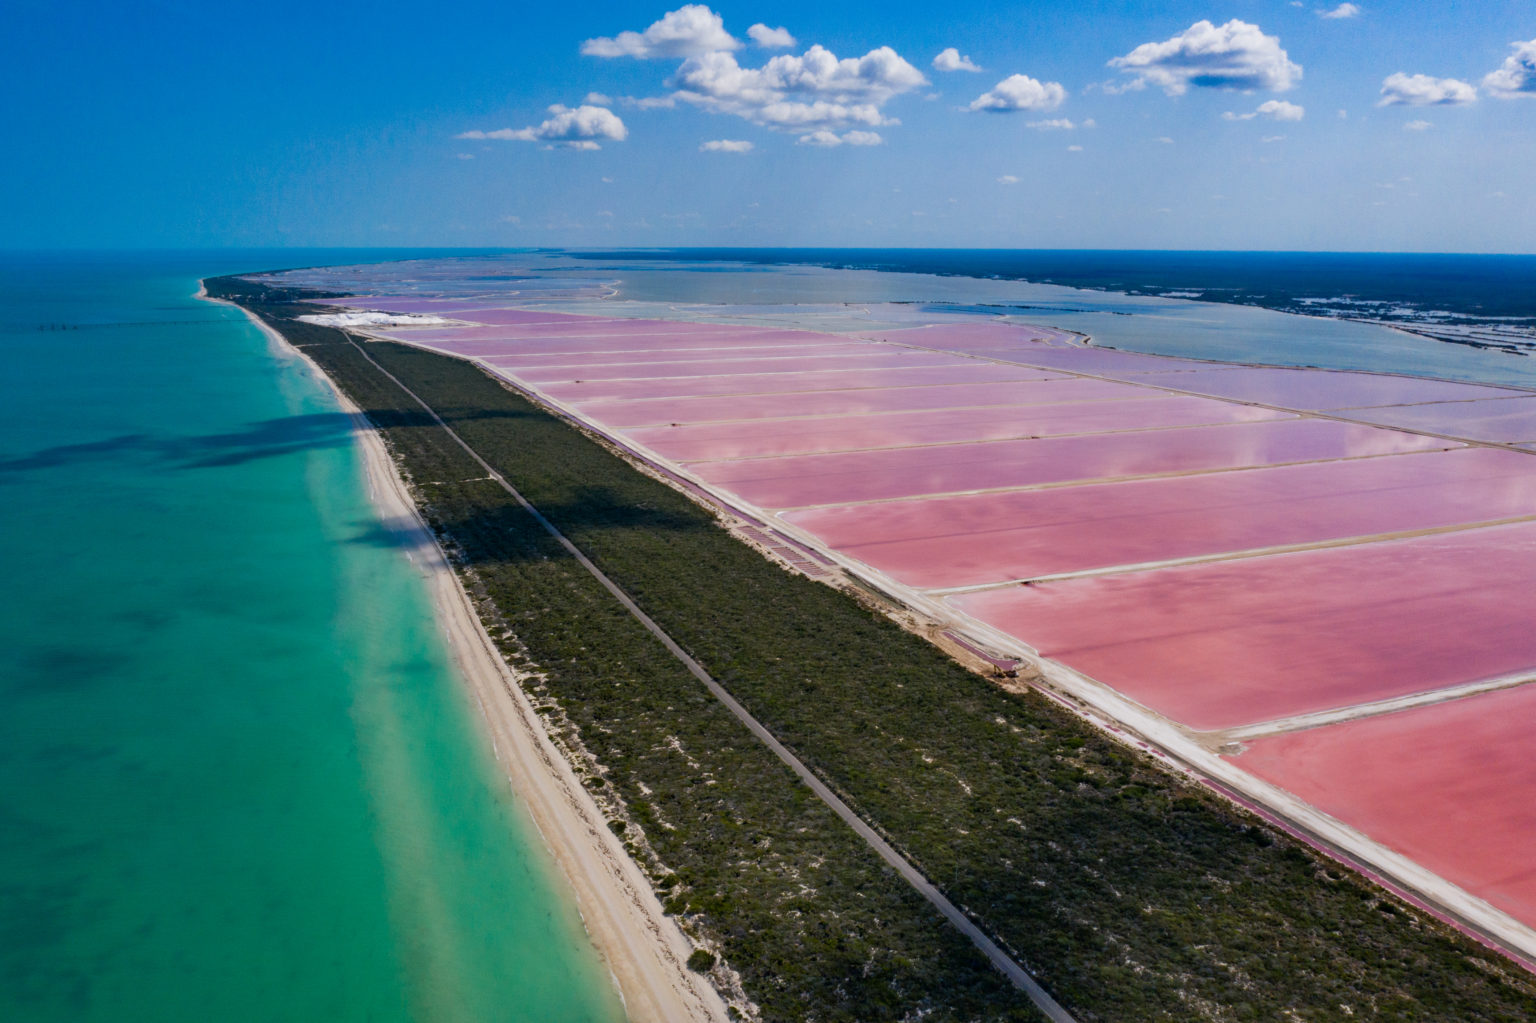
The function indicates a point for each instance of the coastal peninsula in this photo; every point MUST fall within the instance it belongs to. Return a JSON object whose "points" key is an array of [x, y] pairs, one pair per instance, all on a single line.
{"points": [[754, 869]]}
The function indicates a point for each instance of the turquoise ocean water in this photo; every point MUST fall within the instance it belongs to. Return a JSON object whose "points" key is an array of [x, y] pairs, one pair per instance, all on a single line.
{"points": [[238, 777]]}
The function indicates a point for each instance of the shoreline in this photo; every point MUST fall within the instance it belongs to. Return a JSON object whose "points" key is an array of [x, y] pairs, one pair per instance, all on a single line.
{"points": [[644, 950]]}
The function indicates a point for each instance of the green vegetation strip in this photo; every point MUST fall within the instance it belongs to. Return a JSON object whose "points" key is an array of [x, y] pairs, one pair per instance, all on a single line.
{"points": [[1010, 969], [1131, 894], [753, 864]]}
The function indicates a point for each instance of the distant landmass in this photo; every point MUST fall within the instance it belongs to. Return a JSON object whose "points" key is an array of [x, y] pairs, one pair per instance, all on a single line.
{"points": [[1487, 301]]}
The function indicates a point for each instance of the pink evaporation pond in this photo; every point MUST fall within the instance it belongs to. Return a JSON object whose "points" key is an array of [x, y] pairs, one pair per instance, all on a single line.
{"points": [[504, 332], [801, 480], [602, 340], [1318, 389], [728, 363], [700, 355], [985, 332], [659, 412], [1000, 341], [1501, 420], [769, 383], [518, 317], [402, 304], [992, 538], [533, 351], [1451, 786], [589, 326], [1230, 643], [756, 439]]}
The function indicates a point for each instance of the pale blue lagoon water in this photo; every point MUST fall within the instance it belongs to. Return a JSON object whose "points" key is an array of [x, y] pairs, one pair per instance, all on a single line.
{"points": [[1143, 323], [239, 779]]}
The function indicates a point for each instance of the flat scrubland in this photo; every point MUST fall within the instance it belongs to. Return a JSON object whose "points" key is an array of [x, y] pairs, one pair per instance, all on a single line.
{"points": [[1130, 893]]}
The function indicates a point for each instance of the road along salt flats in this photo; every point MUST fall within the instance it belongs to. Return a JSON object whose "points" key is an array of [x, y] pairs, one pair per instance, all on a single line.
{"points": [[1302, 569]]}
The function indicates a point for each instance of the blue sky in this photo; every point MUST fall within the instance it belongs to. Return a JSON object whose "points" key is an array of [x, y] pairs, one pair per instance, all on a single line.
{"points": [[1249, 124]]}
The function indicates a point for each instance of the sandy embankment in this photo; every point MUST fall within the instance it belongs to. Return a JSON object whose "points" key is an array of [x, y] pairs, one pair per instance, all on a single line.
{"points": [[643, 948]]}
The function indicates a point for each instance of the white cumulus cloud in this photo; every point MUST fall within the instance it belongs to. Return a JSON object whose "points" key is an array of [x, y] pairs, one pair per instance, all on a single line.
{"points": [[726, 146], [580, 128], [1074, 149], [1278, 109], [1008, 179], [827, 139], [1340, 12], [1417, 126], [689, 30], [1236, 55], [649, 102], [1516, 76], [809, 93], [949, 59], [1402, 90], [1054, 124], [1020, 92], [771, 38]]}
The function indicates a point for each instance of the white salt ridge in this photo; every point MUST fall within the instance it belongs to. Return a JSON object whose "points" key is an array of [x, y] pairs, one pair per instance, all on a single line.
{"points": [[377, 320]]}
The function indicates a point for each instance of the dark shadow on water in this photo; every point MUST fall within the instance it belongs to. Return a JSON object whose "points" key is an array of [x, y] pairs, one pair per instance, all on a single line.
{"points": [[64, 669], [267, 438], [398, 533]]}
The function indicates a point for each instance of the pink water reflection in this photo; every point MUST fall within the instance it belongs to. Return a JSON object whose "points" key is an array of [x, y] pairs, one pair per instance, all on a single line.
{"points": [[725, 363], [1501, 420], [770, 383], [662, 411], [991, 538], [701, 353], [582, 326], [604, 340], [409, 304], [1318, 389], [1449, 786], [535, 350], [800, 480], [907, 429], [1236, 642]]}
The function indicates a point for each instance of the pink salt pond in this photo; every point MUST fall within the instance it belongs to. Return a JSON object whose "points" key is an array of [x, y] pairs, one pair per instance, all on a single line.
{"points": [[1450, 786], [992, 538], [1230, 643], [1500, 420], [754, 439], [801, 480], [957, 472], [1319, 389], [781, 383], [517, 317], [723, 364], [701, 354], [663, 411], [595, 340], [533, 351]]}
